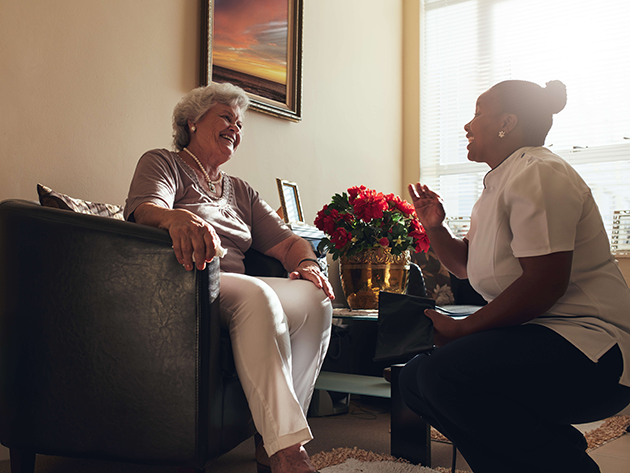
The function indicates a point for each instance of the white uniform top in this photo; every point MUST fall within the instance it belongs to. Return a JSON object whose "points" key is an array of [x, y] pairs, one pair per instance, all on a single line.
{"points": [[534, 203]]}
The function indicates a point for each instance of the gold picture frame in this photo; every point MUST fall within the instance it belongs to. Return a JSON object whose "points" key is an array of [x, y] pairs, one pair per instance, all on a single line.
{"points": [[267, 96], [292, 212]]}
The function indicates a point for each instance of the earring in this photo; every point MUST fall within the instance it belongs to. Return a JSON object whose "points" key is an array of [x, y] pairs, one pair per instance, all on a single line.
{"points": [[501, 134], [193, 128]]}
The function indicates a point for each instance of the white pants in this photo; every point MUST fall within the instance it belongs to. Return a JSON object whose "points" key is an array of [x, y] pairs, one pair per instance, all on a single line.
{"points": [[280, 329]]}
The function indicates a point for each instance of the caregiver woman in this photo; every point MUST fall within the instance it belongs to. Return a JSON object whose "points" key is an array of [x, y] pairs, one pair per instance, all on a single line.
{"points": [[552, 347]]}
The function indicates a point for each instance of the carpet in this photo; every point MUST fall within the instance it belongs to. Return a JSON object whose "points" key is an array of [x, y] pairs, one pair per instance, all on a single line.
{"points": [[354, 460], [355, 466], [611, 429]]}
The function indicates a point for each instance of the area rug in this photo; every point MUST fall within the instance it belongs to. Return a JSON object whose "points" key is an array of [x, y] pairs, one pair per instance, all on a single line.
{"points": [[355, 466], [354, 460], [611, 429]]}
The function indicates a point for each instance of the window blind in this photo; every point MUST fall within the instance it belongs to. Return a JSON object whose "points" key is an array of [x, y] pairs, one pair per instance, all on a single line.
{"points": [[469, 45]]}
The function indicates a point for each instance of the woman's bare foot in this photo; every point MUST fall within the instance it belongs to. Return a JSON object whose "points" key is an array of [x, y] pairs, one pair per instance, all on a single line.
{"points": [[293, 459]]}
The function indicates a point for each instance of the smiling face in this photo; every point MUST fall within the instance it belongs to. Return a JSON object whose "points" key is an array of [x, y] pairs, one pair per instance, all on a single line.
{"points": [[218, 133], [483, 130]]}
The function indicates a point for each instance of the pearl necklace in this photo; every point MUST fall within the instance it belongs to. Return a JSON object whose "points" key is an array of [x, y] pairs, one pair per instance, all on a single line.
{"points": [[211, 183]]}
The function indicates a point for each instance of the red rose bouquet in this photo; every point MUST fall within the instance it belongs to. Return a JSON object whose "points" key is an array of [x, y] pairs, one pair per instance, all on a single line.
{"points": [[364, 219]]}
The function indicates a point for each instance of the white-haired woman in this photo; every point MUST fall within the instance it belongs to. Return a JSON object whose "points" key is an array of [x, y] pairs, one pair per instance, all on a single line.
{"points": [[279, 327]]}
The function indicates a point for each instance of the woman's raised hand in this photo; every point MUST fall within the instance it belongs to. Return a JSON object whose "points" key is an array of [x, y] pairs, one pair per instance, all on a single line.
{"points": [[428, 205]]}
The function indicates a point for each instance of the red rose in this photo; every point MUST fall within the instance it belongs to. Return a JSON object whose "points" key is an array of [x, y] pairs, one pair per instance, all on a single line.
{"points": [[353, 192], [384, 242], [328, 222], [340, 237], [321, 218], [416, 225], [406, 208], [346, 217], [421, 240], [370, 205], [391, 199]]}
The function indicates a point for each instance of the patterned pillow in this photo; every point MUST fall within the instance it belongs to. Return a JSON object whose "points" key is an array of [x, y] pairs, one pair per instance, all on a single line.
{"points": [[437, 279], [50, 198]]}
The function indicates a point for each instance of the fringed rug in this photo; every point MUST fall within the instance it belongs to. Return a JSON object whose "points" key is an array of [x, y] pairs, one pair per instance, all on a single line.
{"points": [[355, 460], [351, 460], [611, 429]]}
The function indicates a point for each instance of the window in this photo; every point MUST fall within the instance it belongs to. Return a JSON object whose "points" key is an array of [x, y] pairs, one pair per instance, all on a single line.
{"points": [[469, 45]]}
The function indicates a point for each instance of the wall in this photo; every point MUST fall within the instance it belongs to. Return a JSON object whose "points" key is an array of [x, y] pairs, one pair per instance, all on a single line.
{"points": [[87, 87]]}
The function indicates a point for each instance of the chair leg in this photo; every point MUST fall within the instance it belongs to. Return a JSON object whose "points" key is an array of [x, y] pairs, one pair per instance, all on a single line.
{"points": [[411, 435], [454, 464], [21, 461]]}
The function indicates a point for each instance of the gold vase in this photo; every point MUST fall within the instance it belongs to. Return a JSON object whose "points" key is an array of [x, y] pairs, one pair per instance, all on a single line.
{"points": [[365, 274]]}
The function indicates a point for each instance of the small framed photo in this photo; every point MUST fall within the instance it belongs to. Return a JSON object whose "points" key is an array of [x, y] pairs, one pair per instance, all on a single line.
{"points": [[290, 200]]}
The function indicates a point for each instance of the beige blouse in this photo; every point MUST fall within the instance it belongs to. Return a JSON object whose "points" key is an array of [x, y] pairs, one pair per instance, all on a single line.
{"points": [[240, 217]]}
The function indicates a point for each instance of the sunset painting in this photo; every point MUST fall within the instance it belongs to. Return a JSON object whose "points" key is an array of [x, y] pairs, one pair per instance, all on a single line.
{"points": [[249, 46]]}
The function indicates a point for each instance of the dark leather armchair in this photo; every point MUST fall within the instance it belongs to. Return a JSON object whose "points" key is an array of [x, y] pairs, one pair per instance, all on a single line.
{"points": [[109, 349]]}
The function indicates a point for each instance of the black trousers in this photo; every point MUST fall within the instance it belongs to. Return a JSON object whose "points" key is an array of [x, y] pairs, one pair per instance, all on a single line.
{"points": [[507, 398]]}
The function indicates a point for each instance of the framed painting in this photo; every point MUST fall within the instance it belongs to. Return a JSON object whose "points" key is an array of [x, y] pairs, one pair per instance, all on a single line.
{"points": [[257, 45], [292, 212]]}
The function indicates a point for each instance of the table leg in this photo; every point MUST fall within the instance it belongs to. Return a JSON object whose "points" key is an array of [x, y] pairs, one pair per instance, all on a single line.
{"points": [[411, 435]]}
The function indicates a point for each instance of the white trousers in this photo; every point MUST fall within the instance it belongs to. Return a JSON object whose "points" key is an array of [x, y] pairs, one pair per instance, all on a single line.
{"points": [[280, 329]]}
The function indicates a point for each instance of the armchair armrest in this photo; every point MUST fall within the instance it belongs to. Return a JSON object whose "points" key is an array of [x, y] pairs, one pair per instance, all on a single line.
{"points": [[105, 340]]}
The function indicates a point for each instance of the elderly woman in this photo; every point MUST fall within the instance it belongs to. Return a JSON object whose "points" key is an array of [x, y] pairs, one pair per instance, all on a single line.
{"points": [[552, 346], [279, 327]]}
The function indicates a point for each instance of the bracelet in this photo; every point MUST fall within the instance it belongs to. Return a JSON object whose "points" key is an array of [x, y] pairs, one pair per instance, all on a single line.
{"points": [[308, 259]]}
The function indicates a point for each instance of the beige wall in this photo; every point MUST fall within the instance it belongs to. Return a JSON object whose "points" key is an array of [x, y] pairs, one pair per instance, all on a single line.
{"points": [[87, 87]]}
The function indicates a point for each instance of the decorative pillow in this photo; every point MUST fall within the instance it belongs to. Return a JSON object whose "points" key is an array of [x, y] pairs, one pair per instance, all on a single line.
{"points": [[437, 279], [50, 198]]}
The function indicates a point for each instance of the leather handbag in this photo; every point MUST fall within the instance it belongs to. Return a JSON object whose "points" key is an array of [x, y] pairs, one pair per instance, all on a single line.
{"points": [[403, 329]]}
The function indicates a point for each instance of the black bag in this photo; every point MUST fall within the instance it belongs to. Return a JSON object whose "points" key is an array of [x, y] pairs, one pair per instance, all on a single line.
{"points": [[403, 329]]}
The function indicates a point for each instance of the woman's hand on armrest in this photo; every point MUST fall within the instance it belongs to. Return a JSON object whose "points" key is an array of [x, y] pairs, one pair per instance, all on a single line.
{"points": [[194, 239], [295, 254]]}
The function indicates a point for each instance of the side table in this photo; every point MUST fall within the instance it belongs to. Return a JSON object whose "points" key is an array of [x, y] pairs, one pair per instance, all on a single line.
{"points": [[354, 383], [410, 434]]}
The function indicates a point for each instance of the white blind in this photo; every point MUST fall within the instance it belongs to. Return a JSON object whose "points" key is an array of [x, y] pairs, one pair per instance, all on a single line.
{"points": [[469, 45]]}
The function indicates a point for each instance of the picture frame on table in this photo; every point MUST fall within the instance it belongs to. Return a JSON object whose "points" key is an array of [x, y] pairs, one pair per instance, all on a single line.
{"points": [[291, 205], [258, 47]]}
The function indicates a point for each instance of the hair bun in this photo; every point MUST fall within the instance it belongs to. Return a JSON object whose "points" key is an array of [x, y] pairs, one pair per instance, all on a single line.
{"points": [[556, 95]]}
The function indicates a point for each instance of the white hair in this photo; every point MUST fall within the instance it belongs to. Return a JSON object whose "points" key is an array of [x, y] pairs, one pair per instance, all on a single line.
{"points": [[197, 102]]}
